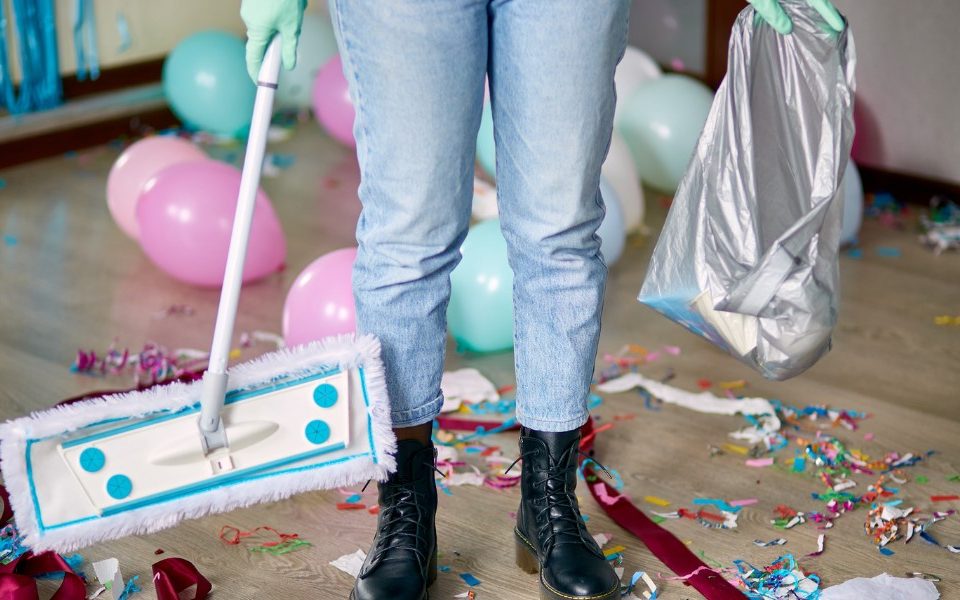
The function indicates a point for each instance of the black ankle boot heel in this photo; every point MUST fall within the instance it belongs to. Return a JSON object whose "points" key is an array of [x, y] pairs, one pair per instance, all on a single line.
{"points": [[550, 535], [402, 563], [526, 556]]}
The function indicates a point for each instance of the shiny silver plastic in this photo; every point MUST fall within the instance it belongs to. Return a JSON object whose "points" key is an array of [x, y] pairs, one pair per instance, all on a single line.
{"points": [[748, 257]]}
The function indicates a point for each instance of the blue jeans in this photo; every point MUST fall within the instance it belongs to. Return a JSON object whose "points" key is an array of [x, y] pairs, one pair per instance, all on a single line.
{"points": [[416, 72]]}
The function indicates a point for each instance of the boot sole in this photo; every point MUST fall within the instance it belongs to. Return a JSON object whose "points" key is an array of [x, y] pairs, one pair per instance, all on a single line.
{"points": [[431, 578], [529, 562]]}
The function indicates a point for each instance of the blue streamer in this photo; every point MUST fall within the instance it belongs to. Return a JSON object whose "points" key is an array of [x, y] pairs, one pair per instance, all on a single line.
{"points": [[35, 31], [85, 41]]}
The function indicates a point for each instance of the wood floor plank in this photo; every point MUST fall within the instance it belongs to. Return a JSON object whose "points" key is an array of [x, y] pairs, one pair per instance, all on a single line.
{"points": [[70, 279]]}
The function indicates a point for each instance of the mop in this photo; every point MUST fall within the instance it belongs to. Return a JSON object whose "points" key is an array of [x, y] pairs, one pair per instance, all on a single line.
{"points": [[307, 418]]}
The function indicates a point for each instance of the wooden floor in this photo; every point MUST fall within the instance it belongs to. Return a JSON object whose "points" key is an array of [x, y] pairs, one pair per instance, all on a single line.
{"points": [[70, 279]]}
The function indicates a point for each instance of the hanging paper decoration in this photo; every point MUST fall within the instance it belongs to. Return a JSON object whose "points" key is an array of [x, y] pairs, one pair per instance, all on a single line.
{"points": [[34, 30], [85, 41]]}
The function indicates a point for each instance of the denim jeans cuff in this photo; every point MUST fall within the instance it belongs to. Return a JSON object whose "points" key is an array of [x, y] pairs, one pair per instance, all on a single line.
{"points": [[549, 425], [419, 415]]}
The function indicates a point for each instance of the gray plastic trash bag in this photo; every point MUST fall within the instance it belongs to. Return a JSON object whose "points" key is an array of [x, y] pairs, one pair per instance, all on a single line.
{"points": [[748, 255]]}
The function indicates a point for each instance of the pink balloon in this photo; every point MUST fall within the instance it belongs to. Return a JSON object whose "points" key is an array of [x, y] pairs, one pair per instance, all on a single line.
{"points": [[320, 303], [331, 102], [135, 166], [185, 213]]}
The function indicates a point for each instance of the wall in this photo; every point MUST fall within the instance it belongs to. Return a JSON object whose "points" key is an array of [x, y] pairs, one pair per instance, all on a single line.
{"points": [[908, 85], [155, 27]]}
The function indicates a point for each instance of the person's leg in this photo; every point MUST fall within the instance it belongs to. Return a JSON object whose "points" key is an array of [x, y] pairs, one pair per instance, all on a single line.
{"points": [[551, 80], [416, 73], [552, 66]]}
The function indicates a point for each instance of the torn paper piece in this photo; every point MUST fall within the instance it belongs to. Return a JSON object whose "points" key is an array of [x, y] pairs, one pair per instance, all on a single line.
{"points": [[350, 563], [704, 402], [602, 539], [109, 576], [882, 587], [465, 385]]}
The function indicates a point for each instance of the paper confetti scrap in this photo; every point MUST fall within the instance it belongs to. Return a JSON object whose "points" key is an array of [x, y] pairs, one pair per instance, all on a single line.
{"points": [[469, 579], [759, 462], [656, 500], [350, 563], [774, 542]]}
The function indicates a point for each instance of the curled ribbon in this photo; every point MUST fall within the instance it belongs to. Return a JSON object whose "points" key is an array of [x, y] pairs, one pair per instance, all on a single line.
{"points": [[171, 576], [17, 577]]}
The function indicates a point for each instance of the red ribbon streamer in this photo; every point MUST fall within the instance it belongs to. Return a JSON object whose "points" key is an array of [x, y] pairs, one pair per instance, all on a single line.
{"points": [[174, 575], [17, 578], [671, 551]]}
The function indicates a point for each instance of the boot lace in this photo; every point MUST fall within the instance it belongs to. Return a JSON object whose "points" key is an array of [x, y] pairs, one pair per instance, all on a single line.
{"points": [[560, 502]]}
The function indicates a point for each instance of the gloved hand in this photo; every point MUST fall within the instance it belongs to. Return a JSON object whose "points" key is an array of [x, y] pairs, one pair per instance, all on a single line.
{"points": [[263, 19], [771, 12]]}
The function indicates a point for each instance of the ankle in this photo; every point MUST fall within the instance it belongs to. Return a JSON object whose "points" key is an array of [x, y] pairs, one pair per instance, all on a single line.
{"points": [[419, 433]]}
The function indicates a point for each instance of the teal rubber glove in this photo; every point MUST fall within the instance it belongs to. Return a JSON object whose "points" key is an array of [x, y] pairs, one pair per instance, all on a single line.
{"points": [[266, 18], [771, 12]]}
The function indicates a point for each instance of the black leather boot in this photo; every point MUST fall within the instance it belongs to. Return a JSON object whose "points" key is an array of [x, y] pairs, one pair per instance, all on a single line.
{"points": [[550, 535], [402, 563]]}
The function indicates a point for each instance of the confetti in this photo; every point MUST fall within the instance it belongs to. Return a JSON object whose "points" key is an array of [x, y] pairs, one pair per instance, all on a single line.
{"points": [[655, 500], [775, 542], [946, 498], [888, 252], [469, 579], [759, 462], [782, 579], [350, 563]]}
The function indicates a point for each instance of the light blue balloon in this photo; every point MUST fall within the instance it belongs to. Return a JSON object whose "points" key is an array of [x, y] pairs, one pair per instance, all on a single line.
{"points": [[316, 46], [661, 123], [612, 231], [486, 148], [852, 216], [206, 83], [480, 313]]}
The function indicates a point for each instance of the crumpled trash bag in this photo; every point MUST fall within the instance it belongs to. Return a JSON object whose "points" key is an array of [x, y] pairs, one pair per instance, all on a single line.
{"points": [[748, 257]]}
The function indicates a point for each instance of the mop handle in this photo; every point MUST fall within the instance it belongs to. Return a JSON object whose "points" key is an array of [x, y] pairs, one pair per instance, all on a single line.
{"points": [[215, 379]]}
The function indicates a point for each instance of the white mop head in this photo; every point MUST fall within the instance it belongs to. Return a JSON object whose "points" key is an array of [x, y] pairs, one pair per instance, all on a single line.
{"points": [[74, 480]]}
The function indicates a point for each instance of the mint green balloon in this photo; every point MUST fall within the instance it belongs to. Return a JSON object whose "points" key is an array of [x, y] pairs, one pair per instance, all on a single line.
{"points": [[661, 123], [486, 149], [206, 83], [480, 313]]}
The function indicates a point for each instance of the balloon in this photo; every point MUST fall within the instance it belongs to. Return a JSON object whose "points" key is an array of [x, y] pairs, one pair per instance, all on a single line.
{"points": [[480, 313], [486, 148], [612, 232], [185, 215], [320, 303], [331, 102], [135, 166], [619, 171], [661, 123], [206, 83], [316, 47], [851, 195], [635, 68]]}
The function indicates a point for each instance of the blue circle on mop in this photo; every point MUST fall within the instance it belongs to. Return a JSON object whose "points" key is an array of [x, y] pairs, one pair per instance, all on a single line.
{"points": [[317, 432], [119, 487], [325, 395], [92, 460]]}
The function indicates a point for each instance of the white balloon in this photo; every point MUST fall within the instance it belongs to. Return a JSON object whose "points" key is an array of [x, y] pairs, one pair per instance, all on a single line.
{"points": [[851, 196], [621, 174], [634, 69]]}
